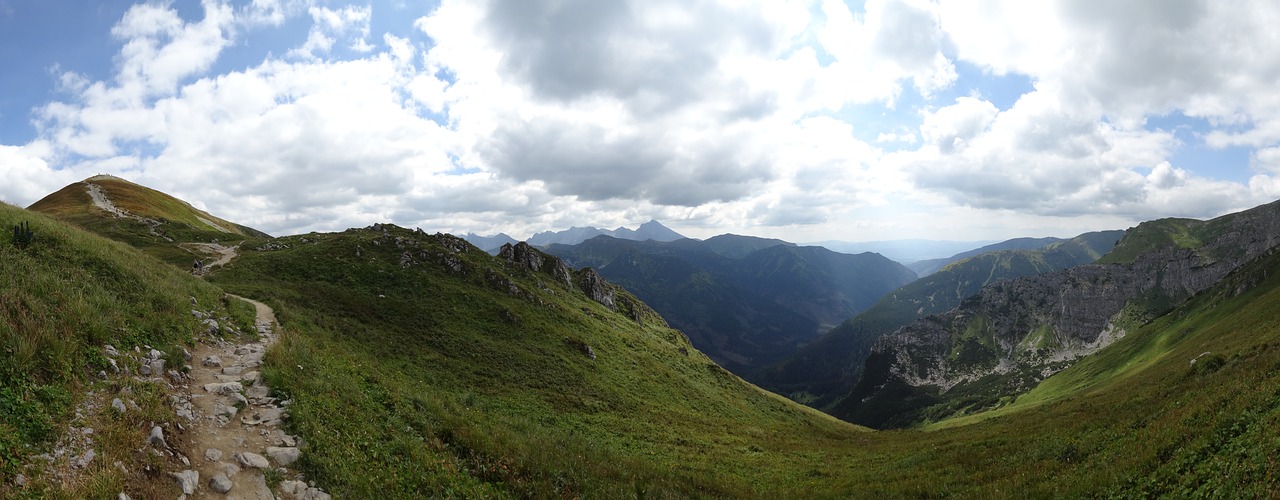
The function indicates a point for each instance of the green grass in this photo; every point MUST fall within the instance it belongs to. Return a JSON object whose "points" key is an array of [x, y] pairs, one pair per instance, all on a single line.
{"points": [[413, 380], [61, 299]]}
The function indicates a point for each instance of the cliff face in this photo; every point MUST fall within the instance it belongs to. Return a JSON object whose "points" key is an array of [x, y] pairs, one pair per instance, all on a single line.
{"points": [[1013, 334]]}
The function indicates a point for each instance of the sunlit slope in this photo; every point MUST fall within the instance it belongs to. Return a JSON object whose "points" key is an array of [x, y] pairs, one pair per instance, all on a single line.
{"points": [[156, 222], [420, 363], [1188, 404], [1001, 342], [63, 295]]}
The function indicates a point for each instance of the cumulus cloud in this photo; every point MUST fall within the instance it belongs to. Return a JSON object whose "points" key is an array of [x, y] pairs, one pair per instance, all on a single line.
{"points": [[528, 115]]}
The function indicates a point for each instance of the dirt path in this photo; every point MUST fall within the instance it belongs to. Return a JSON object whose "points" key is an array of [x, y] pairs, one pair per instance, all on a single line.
{"points": [[224, 253], [236, 439]]}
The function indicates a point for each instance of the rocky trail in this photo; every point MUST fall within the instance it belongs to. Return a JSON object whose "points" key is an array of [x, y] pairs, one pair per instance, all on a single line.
{"points": [[234, 427]]}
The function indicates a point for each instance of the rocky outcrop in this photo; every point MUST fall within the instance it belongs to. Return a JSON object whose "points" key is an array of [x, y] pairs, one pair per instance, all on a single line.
{"points": [[1013, 334], [530, 258], [590, 282]]}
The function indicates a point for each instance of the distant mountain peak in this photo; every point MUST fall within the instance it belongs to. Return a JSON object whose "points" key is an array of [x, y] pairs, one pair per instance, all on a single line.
{"points": [[652, 230]]}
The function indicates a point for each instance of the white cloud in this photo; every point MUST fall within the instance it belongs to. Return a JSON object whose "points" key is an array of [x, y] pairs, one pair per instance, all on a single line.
{"points": [[328, 25], [527, 115]]}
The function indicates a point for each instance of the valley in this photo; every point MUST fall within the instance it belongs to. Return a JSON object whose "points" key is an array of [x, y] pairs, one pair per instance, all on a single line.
{"points": [[417, 364]]}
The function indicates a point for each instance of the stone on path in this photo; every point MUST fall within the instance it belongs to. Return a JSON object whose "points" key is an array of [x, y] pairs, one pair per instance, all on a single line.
{"points": [[283, 455], [249, 459], [212, 361], [213, 454], [220, 483], [224, 387], [188, 480]]}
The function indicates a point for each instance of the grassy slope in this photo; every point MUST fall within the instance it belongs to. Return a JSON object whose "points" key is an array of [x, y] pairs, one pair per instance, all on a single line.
{"points": [[179, 221], [455, 386], [61, 298], [485, 390], [452, 386]]}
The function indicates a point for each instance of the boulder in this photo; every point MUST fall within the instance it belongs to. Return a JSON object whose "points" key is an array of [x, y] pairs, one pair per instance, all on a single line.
{"points": [[283, 455], [220, 483], [253, 460], [188, 480]]}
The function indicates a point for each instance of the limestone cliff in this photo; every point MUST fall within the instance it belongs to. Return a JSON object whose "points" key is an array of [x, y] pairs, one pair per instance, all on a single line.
{"points": [[1013, 334]]}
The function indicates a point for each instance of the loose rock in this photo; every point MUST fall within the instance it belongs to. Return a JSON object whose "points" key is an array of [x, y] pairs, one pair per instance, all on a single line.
{"points": [[212, 361], [283, 455], [118, 405], [220, 483], [254, 460], [188, 480], [213, 454], [156, 438]]}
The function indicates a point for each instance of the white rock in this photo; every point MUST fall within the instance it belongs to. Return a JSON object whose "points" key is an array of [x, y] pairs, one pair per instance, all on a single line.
{"points": [[213, 454], [224, 387], [156, 438], [118, 405], [212, 361], [188, 480], [254, 460], [283, 455]]}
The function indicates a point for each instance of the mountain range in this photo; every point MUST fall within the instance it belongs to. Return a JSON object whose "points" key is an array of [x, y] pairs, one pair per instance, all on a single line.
{"points": [[652, 230], [1011, 335], [744, 301], [417, 364], [826, 370]]}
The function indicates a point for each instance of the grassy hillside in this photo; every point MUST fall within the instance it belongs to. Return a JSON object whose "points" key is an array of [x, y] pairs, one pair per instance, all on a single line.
{"points": [[157, 223], [62, 297], [419, 365], [824, 371], [443, 372]]}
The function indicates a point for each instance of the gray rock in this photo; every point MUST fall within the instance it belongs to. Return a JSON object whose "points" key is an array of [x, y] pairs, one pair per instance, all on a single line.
{"points": [[221, 410], [597, 288], [220, 483], [118, 405], [122, 496], [232, 370], [213, 454], [253, 460], [283, 455], [114, 367], [188, 480], [186, 355], [83, 460], [224, 388], [157, 366], [212, 361], [156, 438], [154, 354], [211, 326], [20, 480], [228, 468], [145, 369], [111, 351]]}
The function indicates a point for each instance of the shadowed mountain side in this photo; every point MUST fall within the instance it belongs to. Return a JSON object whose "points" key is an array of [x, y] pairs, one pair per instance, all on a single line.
{"points": [[820, 373], [743, 312]]}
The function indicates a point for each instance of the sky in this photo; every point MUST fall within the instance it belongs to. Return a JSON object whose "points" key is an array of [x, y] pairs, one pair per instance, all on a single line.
{"points": [[801, 120]]}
